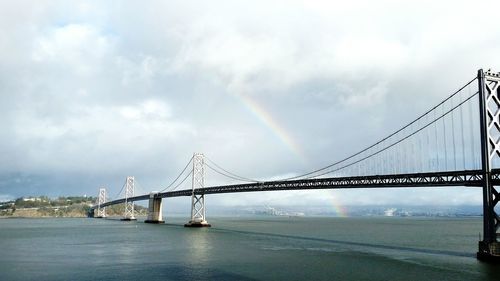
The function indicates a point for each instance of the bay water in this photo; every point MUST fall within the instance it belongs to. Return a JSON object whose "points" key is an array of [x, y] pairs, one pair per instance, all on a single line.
{"points": [[244, 248]]}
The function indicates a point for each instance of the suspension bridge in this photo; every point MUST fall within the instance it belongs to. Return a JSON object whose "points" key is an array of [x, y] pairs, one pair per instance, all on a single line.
{"points": [[455, 143]]}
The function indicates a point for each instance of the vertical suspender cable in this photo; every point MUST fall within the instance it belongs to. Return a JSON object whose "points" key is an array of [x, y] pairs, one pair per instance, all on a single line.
{"points": [[372, 166], [393, 160], [437, 143], [413, 156], [407, 151], [417, 152], [453, 137], [400, 159], [380, 157], [444, 142], [462, 131], [369, 164], [365, 167], [405, 155], [396, 167], [376, 161], [420, 148], [471, 133], [396, 159], [428, 146]]}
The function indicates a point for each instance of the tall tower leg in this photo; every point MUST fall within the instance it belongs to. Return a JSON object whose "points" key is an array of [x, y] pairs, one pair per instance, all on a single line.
{"points": [[489, 114], [198, 200], [128, 214], [101, 211]]}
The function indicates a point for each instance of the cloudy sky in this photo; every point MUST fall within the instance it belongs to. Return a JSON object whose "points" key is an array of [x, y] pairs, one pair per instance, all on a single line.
{"points": [[93, 91]]}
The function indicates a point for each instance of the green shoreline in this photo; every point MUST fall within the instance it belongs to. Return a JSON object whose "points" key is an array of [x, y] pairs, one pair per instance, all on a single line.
{"points": [[61, 207]]}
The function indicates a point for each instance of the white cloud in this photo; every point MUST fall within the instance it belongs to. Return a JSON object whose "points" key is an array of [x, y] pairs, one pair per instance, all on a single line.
{"points": [[364, 98], [109, 90], [149, 109], [96, 137], [75, 46]]}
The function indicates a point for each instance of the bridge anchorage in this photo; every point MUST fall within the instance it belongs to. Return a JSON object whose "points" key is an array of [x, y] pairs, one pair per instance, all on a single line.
{"points": [[198, 200], [489, 114], [128, 214]]}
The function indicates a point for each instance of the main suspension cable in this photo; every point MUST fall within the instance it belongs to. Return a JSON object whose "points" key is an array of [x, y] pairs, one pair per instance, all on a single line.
{"points": [[397, 142], [118, 194], [232, 175], [183, 170], [226, 175], [389, 136], [185, 178]]}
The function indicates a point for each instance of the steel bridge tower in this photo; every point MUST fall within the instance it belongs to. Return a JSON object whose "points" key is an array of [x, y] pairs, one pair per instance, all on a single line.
{"points": [[198, 200], [128, 214], [101, 211], [489, 113]]}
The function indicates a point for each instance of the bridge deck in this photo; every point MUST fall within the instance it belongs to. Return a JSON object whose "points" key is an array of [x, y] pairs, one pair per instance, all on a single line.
{"points": [[453, 178]]}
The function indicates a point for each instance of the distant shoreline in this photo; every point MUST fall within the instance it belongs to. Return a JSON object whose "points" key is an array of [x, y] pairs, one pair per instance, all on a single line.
{"points": [[55, 217], [61, 207]]}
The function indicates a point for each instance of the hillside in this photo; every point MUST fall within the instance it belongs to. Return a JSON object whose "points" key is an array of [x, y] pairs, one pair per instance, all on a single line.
{"points": [[43, 206]]}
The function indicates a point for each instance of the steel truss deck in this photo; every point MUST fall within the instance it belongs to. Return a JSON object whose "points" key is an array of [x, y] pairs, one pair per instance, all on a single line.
{"points": [[433, 179]]}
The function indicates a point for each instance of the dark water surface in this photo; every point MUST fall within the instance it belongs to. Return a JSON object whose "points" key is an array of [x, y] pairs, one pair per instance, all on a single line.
{"points": [[243, 249]]}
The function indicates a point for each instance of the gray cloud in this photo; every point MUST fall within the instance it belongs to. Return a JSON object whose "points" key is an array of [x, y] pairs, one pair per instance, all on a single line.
{"points": [[91, 92]]}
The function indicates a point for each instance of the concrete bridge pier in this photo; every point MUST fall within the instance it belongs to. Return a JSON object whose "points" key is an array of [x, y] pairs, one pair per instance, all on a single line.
{"points": [[154, 209]]}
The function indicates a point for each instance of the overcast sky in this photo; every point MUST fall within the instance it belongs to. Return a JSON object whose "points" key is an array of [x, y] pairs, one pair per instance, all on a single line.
{"points": [[93, 91]]}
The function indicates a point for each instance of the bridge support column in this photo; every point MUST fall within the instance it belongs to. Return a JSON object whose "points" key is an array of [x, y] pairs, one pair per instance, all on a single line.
{"points": [[198, 200], [128, 214], [154, 209], [197, 212], [489, 113], [91, 213], [101, 211]]}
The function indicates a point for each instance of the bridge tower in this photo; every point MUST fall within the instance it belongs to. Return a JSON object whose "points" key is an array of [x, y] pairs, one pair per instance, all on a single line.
{"points": [[198, 200], [128, 214], [101, 211], [489, 113]]}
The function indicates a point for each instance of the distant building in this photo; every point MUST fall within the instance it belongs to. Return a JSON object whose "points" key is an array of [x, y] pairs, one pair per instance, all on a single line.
{"points": [[390, 212], [34, 199]]}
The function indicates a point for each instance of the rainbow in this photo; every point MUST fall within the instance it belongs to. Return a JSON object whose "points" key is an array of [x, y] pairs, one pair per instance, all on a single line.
{"points": [[266, 119], [340, 210]]}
